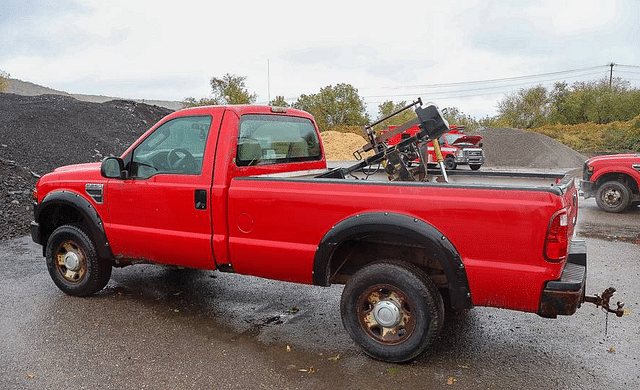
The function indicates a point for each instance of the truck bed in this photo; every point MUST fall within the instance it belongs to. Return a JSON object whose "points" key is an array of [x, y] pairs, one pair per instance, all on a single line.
{"points": [[529, 180], [496, 220]]}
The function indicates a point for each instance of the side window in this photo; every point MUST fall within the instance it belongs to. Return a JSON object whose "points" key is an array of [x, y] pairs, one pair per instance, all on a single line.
{"points": [[176, 147], [273, 139]]}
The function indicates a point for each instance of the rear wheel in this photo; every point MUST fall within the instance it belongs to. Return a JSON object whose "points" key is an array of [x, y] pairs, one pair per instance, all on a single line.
{"points": [[392, 310], [73, 262], [613, 196]]}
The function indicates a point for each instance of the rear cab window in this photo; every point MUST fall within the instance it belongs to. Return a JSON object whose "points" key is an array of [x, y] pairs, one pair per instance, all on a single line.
{"points": [[276, 139]]}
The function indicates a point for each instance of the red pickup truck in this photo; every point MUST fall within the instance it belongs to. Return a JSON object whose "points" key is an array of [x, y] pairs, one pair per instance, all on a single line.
{"points": [[246, 189], [613, 180], [457, 147]]}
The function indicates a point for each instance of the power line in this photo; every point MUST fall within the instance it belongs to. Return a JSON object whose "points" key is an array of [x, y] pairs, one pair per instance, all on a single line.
{"points": [[504, 79], [489, 87], [465, 90]]}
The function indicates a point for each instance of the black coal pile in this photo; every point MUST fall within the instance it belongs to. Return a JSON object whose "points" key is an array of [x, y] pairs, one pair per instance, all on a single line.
{"points": [[40, 133]]}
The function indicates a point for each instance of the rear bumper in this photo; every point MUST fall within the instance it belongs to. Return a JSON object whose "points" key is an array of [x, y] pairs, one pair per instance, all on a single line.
{"points": [[565, 295]]}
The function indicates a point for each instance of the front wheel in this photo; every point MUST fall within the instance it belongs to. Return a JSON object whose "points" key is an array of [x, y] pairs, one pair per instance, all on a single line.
{"points": [[474, 167], [73, 262], [613, 196], [392, 310], [450, 163]]}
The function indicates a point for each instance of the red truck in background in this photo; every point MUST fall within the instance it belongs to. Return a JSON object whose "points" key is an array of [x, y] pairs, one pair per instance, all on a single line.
{"points": [[457, 147], [246, 189], [614, 180]]}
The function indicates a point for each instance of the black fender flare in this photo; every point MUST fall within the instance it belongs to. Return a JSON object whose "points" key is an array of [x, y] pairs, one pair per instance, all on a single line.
{"points": [[414, 230], [84, 208]]}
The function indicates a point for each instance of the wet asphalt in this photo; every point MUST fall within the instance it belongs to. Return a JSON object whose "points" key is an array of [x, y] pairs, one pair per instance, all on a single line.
{"points": [[159, 328]]}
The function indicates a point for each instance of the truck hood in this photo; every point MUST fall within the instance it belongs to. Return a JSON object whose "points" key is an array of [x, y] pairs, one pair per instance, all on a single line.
{"points": [[468, 139], [87, 171], [630, 158]]}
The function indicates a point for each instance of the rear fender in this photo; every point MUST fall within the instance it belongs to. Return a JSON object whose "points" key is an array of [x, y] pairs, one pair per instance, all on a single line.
{"points": [[413, 232]]}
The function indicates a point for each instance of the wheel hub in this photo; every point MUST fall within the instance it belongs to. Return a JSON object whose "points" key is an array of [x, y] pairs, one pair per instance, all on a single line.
{"points": [[612, 197], [387, 314], [72, 261]]}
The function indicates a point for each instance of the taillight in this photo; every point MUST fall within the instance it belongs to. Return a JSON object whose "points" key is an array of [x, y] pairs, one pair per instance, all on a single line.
{"points": [[557, 241]]}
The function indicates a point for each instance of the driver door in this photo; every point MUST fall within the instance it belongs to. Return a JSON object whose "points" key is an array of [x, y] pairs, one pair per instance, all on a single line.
{"points": [[161, 212]]}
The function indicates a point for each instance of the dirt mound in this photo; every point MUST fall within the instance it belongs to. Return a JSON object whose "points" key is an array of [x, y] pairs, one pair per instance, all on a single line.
{"points": [[40, 133], [340, 146]]}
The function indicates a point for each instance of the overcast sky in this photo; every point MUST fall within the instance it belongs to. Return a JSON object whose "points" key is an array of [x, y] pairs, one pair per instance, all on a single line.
{"points": [[438, 50]]}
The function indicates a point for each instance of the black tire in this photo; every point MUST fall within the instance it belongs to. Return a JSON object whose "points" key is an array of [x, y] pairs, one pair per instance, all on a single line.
{"points": [[613, 196], [73, 262], [392, 310], [474, 167], [450, 163]]}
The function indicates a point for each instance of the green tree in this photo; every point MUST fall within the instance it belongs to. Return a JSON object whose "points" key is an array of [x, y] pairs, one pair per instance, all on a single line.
{"points": [[594, 101], [454, 116], [193, 102], [4, 80], [525, 109], [230, 89], [279, 102], [335, 106], [388, 108]]}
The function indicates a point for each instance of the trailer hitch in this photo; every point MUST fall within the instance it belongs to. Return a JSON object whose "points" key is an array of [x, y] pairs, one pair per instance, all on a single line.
{"points": [[603, 302]]}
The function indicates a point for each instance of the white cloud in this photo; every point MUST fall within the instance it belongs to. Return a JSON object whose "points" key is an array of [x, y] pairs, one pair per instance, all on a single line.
{"points": [[164, 50]]}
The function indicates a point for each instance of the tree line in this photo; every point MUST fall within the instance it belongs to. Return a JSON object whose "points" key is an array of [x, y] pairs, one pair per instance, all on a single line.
{"points": [[600, 102], [335, 107]]}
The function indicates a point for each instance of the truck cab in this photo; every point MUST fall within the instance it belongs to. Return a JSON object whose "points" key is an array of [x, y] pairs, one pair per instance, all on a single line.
{"points": [[614, 180]]}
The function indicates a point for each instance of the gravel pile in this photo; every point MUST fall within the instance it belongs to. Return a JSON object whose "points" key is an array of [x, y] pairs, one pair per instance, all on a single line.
{"points": [[40, 133], [520, 148]]}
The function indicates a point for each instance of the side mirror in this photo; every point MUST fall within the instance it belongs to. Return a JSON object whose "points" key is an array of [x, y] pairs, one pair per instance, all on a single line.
{"points": [[113, 168]]}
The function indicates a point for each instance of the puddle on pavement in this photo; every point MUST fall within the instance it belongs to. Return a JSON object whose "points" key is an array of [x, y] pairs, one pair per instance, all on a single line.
{"points": [[629, 234]]}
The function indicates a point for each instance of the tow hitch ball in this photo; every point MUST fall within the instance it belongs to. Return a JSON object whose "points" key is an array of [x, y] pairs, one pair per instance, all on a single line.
{"points": [[603, 302]]}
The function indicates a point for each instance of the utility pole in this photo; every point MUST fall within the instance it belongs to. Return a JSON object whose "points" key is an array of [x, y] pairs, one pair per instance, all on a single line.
{"points": [[268, 82], [611, 74]]}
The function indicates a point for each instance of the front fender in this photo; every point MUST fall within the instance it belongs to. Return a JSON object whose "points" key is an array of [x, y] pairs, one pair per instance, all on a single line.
{"points": [[68, 207]]}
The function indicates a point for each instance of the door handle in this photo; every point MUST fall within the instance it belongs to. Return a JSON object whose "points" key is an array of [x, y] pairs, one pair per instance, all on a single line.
{"points": [[200, 199]]}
